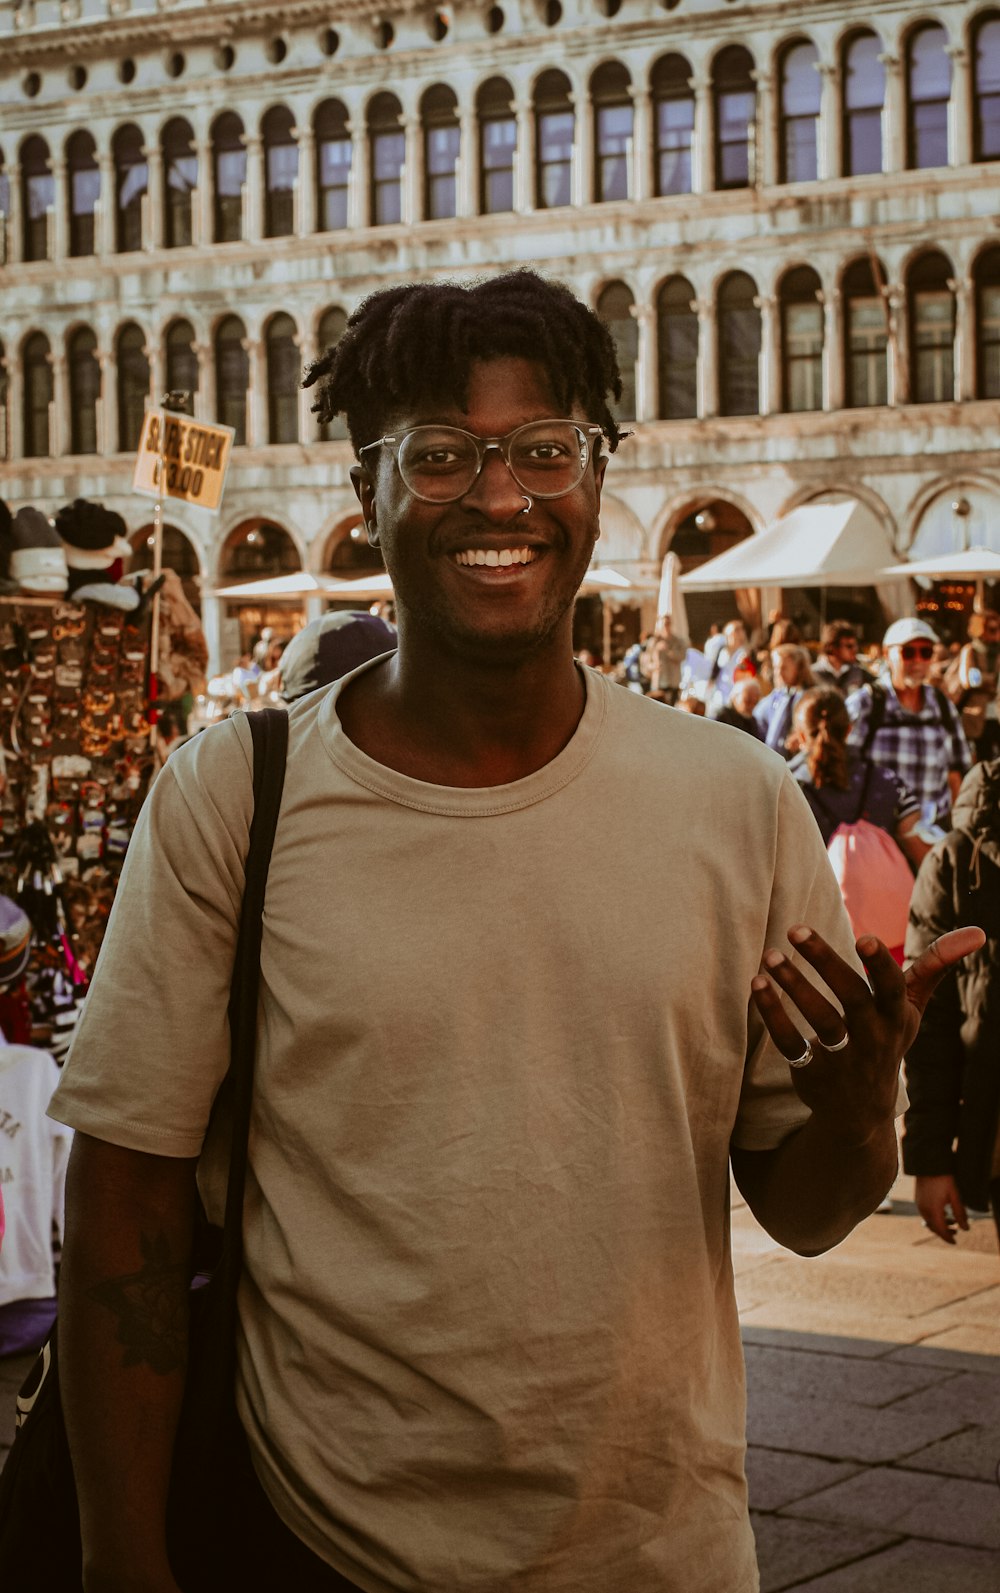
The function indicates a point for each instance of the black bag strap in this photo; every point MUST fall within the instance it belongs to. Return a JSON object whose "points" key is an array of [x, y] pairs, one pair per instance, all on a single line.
{"points": [[876, 717]]}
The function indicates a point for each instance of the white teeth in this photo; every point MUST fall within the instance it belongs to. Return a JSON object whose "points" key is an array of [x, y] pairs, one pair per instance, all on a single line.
{"points": [[491, 557]]}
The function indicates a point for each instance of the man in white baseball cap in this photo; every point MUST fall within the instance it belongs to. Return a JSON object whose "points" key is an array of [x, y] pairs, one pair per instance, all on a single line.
{"points": [[905, 725]]}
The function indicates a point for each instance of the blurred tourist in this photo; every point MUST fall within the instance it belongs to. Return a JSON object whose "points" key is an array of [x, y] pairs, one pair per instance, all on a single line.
{"points": [[774, 713], [837, 664]]}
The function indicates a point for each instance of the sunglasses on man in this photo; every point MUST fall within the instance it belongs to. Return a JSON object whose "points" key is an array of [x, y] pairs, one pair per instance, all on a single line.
{"points": [[911, 650]]}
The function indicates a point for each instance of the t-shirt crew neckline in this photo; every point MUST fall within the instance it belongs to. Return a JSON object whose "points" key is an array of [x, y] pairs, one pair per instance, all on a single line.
{"points": [[475, 801]]}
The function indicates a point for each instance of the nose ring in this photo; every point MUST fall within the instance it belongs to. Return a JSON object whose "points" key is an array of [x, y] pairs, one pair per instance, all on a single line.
{"points": [[528, 505]]}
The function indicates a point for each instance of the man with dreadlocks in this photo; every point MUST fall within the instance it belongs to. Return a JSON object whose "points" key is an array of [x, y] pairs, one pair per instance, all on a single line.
{"points": [[488, 1338]]}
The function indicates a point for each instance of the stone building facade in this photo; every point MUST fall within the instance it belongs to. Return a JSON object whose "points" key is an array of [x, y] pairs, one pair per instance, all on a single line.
{"points": [[790, 223]]}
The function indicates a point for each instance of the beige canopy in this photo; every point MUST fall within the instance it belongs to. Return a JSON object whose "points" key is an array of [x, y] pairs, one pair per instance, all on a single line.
{"points": [[820, 544]]}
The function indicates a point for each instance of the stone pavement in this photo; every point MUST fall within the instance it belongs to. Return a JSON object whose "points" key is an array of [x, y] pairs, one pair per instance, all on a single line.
{"points": [[874, 1407]]}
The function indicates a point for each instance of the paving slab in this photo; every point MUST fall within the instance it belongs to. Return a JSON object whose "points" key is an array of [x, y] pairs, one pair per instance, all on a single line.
{"points": [[911, 1504], [842, 1432], [912, 1567], [776, 1478], [974, 1397], [825, 1343], [974, 1453], [800, 1372], [960, 1355], [789, 1551]]}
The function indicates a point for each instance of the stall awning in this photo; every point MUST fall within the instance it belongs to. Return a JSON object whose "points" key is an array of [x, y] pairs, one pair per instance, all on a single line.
{"points": [[820, 544]]}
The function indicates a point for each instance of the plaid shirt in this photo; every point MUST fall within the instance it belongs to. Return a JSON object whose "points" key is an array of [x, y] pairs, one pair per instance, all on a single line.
{"points": [[921, 748]]}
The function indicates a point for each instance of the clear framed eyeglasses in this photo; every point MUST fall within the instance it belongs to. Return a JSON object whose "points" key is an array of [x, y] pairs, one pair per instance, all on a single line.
{"points": [[439, 464]]}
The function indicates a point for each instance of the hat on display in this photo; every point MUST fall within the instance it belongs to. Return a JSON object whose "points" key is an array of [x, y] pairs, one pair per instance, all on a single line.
{"points": [[37, 559], [15, 941], [902, 631], [94, 536], [330, 647]]}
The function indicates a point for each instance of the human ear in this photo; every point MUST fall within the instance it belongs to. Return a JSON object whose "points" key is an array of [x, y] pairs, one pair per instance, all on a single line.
{"points": [[365, 490]]}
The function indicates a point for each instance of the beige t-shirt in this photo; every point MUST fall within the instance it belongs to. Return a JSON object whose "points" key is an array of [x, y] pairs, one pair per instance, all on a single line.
{"points": [[489, 1338]]}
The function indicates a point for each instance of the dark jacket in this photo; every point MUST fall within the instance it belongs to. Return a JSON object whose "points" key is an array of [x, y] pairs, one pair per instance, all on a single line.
{"points": [[953, 1066]]}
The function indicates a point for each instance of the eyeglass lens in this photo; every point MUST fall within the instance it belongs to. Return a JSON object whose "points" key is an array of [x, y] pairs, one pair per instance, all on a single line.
{"points": [[440, 463], [921, 650]]}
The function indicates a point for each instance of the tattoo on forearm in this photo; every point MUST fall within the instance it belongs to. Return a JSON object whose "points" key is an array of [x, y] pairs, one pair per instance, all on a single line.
{"points": [[152, 1308]]}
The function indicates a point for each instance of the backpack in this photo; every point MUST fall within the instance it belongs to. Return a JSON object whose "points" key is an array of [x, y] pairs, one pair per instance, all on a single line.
{"points": [[876, 719], [874, 877]]}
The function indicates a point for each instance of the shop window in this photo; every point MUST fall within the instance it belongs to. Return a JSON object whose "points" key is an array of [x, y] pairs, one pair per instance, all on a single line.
{"points": [[615, 307], [987, 282], [799, 116], [677, 340], [866, 337], [497, 146], [84, 178], [284, 370], [229, 160], [986, 91], [37, 368], [442, 140], [333, 165], [133, 386], [932, 330], [673, 112], [131, 184], [864, 96], [84, 390], [801, 340], [388, 154], [38, 197], [554, 134], [281, 170], [182, 363], [232, 376], [739, 346], [332, 326], [180, 181], [735, 97], [928, 86], [610, 89]]}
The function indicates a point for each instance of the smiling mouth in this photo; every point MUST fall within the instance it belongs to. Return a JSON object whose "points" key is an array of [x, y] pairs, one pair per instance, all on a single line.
{"points": [[495, 558]]}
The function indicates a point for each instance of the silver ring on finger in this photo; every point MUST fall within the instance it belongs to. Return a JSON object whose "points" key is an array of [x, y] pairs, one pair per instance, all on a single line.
{"points": [[804, 1060], [839, 1045]]}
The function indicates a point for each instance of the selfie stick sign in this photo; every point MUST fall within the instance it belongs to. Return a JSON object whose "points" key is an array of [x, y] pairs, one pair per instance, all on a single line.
{"points": [[182, 458]]}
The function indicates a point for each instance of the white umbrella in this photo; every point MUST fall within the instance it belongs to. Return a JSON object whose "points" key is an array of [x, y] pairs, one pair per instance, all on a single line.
{"points": [[974, 564], [820, 544], [301, 583], [671, 598]]}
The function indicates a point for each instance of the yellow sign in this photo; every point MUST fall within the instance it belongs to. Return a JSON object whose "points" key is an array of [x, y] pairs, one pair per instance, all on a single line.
{"points": [[182, 458]]}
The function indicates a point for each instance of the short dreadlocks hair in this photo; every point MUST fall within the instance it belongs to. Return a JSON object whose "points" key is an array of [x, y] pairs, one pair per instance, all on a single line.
{"points": [[411, 343]]}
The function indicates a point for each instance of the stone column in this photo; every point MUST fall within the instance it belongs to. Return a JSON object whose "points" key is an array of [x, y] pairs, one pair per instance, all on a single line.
{"points": [[153, 231], [305, 183], [965, 337], [203, 199], [893, 115], [413, 172], [59, 224], [211, 624], [15, 409], [524, 157], [157, 360], [960, 107], [833, 348], [60, 431], [105, 241], [764, 135], [899, 348], [107, 410], [703, 141], [642, 143], [306, 345], [467, 175], [769, 359], [205, 396], [256, 392], [582, 177], [5, 387], [15, 222], [646, 364], [830, 151], [253, 190], [708, 365], [359, 184]]}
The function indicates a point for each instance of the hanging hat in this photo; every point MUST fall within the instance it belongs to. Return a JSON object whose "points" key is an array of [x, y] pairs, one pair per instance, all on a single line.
{"points": [[15, 941], [93, 535], [37, 559], [331, 646]]}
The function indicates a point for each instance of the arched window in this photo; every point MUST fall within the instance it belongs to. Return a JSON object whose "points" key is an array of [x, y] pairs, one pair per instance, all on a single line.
{"points": [[735, 98], [928, 86], [84, 178], [932, 330], [677, 339], [232, 376], [133, 386], [864, 96], [333, 165], [131, 183], [799, 120], [329, 333], [497, 146], [866, 337], [258, 549], [673, 102], [610, 89], [615, 309], [986, 117], [84, 390], [37, 363], [801, 340], [38, 197], [180, 179], [283, 374], [739, 346], [281, 169], [554, 133], [388, 152], [442, 137], [986, 276], [182, 363], [229, 160]]}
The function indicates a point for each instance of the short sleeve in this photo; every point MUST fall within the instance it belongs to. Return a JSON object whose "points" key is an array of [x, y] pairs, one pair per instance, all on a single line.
{"points": [[152, 1043]]}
